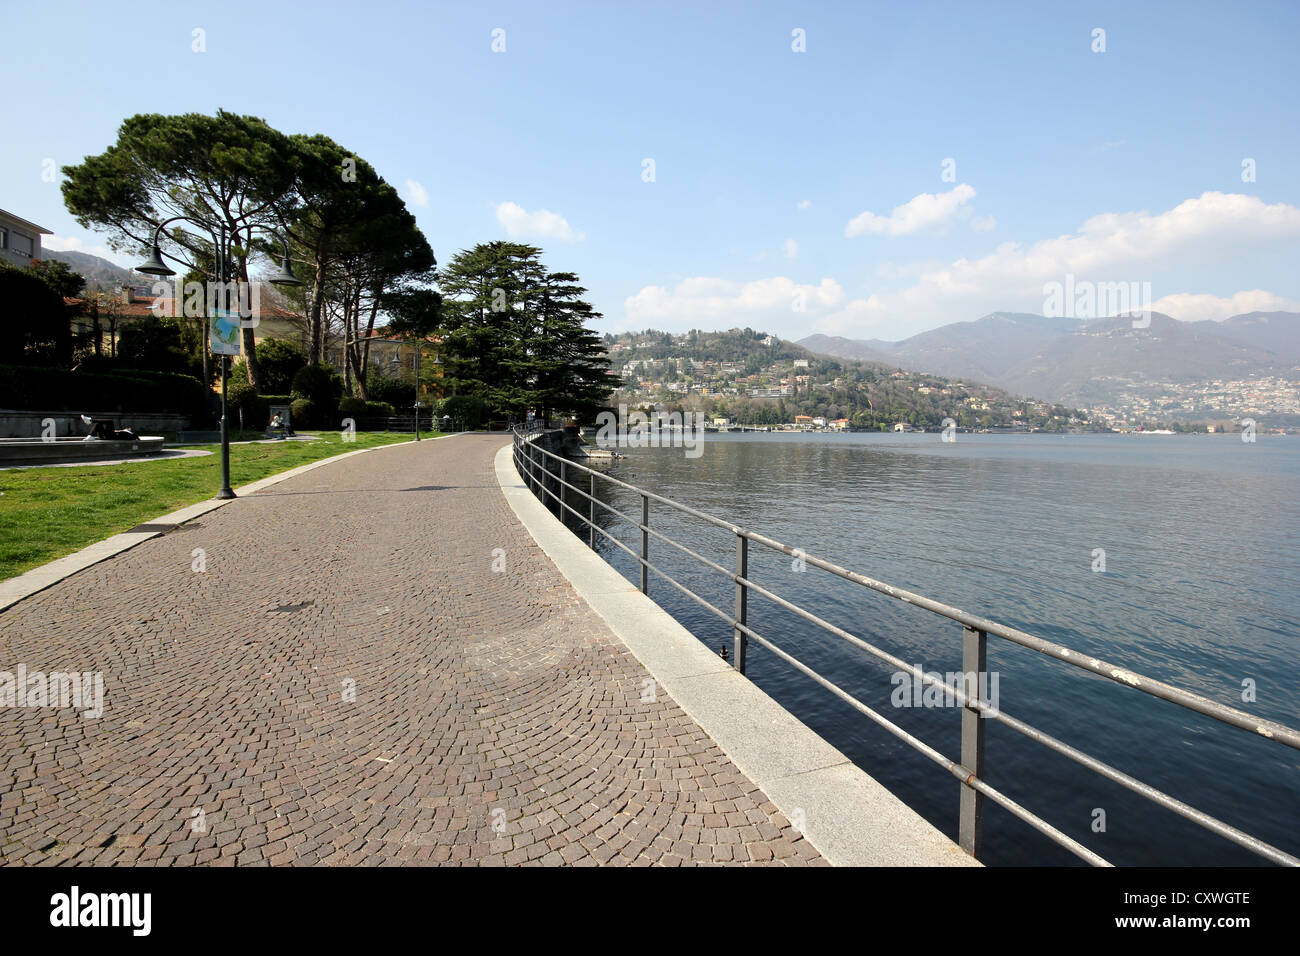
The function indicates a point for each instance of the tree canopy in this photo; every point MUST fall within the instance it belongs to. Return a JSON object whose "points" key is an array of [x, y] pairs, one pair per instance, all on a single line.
{"points": [[515, 334]]}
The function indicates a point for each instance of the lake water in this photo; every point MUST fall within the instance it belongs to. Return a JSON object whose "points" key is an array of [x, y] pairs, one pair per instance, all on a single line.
{"points": [[1200, 587]]}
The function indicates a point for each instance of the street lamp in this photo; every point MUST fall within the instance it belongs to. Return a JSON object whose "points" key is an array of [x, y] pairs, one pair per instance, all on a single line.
{"points": [[222, 239]]}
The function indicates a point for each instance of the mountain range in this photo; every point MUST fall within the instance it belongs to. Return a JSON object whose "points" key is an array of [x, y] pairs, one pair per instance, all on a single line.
{"points": [[101, 275], [1085, 361]]}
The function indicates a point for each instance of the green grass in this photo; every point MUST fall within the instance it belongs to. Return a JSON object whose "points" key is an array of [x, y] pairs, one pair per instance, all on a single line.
{"points": [[46, 513]]}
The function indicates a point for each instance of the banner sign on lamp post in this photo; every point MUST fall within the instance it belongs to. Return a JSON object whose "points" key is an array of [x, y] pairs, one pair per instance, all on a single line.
{"points": [[224, 336]]}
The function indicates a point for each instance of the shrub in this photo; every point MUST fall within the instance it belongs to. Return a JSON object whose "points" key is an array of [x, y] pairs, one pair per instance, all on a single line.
{"points": [[239, 393], [350, 407], [279, 361], [303, 413], [318, 383], [392, 390], [366, 414], [469, 411]]}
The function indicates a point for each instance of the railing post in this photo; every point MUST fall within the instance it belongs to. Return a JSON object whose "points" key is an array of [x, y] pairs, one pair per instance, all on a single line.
{"points": [[740, 638], [645, 544], [591, 510], [974, 661], [564, 477]]}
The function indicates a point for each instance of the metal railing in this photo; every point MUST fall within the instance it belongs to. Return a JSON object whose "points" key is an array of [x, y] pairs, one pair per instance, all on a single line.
{"points": [[547, 474]]}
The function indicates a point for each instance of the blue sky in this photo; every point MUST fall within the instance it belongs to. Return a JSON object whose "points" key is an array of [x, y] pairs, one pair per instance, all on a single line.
{"points": [[792, 191]]}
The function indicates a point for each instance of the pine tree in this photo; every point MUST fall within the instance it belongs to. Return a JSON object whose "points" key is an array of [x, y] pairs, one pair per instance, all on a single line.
{"points": [[516, 334]]}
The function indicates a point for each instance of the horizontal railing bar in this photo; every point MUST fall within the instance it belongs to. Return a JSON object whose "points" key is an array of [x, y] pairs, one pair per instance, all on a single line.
{"points": [[1268, 729]]}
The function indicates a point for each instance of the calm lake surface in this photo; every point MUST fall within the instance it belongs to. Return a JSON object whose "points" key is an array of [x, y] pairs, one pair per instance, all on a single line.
{"points": [[1200, 590]]}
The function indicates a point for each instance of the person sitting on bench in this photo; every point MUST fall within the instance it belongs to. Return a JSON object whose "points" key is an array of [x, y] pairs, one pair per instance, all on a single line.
{"points": [[278, 427]]}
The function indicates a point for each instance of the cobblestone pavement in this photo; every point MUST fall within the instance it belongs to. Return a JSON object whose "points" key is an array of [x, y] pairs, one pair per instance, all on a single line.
{"points": [[350, 682]]}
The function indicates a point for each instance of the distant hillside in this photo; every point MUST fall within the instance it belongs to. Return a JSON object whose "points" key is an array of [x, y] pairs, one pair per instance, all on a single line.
{"points": [[838, 347], [748, 376], [1275, 332], [101, 275], [1069, 360], [1089, 364]]}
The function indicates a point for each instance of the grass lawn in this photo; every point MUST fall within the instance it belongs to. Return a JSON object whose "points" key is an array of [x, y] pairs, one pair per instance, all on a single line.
{"points": [[46, 513]]}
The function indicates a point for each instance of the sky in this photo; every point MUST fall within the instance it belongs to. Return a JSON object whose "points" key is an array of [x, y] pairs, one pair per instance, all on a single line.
{"points": [[871, 170]]}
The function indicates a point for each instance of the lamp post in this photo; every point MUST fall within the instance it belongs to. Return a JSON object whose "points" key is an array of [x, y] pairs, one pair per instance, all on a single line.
{"points": [[223, 269]]}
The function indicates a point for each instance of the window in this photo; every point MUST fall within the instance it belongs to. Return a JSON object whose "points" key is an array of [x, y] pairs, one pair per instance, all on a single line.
{"points": [[4, 238], [22, 244]]}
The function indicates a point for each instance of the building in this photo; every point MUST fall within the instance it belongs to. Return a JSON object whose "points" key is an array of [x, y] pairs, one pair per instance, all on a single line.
{"points": [[20, 240]]}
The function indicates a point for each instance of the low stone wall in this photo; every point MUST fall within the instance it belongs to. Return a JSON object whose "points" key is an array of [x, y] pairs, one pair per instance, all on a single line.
{"points": [[28, 424]]}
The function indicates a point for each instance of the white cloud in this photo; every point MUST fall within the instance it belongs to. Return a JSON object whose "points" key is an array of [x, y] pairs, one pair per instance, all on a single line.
{"points": [[928, 211], [416, 194], [790, 249], [1112, 247], [720, 303], [1194, 307], [984, 223], [542, 224], [805, 203]]}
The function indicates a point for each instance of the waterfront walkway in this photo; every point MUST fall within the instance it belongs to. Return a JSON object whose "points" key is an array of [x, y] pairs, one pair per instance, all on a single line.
{"points": [[351, 682]]}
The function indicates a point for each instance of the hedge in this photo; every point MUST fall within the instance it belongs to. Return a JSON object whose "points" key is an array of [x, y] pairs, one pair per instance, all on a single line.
{"points": [[257, 408], [320, 384], [55, 389], [469, 411], [359, 408]]}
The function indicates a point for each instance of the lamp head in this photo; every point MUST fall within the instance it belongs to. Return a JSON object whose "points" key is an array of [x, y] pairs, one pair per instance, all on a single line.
{"points": [[285, 276], [155, 265]]}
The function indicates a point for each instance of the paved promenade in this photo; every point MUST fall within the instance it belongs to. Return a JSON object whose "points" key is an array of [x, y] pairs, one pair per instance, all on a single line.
{"points": [[351, 682]]}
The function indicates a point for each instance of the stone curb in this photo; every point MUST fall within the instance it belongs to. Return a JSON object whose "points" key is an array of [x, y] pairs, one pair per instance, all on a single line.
{"points": [[849, 817], [38, 579]]}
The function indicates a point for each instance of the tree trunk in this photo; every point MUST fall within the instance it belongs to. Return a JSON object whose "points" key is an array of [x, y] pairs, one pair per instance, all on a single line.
{"points": [[247, 334], [250, 349], [317, 350], [365, 349]]}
